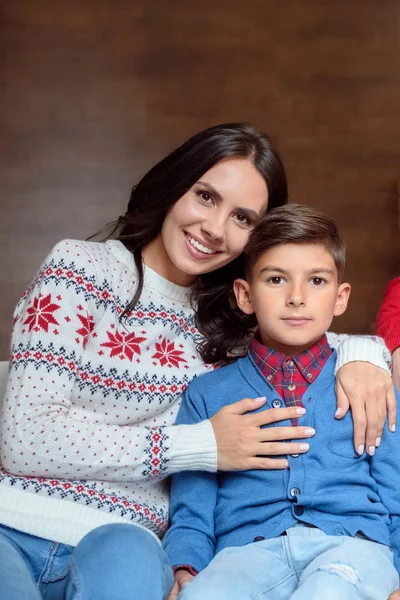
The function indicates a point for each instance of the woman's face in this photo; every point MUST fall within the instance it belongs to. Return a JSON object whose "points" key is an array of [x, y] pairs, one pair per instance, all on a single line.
{"points": [[209, 226]]}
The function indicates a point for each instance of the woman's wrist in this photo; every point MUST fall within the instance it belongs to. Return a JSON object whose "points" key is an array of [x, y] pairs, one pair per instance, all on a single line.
{"points": [[192, 448]]}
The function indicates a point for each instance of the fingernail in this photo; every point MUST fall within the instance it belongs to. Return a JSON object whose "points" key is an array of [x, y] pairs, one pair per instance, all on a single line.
{"points": [[371, 450], [338, 411], [287, 464], [304, 446], [360, 449], [301, 411], [378, 442], [260, 399], [309, 431], [393, 428]]}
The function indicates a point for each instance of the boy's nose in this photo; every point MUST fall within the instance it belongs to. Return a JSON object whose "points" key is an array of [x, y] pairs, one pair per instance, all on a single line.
{"points": [[296, 297]]}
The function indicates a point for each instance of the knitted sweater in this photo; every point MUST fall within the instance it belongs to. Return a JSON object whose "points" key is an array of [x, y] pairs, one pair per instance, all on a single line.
{"points": [[388, 319], [330, 486], [86, 430]]}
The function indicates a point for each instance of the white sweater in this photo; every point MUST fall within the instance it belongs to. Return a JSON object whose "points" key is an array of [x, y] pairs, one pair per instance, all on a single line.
{"points": [[87, 434]]}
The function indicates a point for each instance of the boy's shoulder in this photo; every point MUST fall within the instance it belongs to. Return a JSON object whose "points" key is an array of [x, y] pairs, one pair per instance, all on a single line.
{"points": [[220, 377]]}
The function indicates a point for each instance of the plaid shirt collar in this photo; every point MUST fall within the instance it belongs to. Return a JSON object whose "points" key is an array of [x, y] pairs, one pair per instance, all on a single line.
{"points": [[309, 362]]}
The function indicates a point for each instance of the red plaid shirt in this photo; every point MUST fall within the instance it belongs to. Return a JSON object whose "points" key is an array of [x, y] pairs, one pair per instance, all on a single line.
{"points": [[291, 375]]}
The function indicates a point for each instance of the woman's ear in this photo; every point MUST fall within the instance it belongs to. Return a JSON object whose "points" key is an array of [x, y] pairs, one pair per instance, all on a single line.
{"points": [[242, 292], [342, 299]]}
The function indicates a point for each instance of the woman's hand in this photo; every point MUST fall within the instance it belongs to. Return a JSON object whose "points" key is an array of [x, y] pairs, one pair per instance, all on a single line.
{"points": [[395, 595], [396, 367], [368, 391], [182, 578], [243, 445]]}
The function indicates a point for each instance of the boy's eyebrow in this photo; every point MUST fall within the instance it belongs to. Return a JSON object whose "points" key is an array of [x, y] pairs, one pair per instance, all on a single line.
{"points": [[270, 268], [252, 214]]}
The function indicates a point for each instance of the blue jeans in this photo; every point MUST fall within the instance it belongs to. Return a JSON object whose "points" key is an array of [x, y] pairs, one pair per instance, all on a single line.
{"points": [[117, 561], [305, 564]]}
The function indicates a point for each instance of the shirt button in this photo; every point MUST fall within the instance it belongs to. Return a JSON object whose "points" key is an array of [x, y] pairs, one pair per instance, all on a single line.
{"points": [[291, 387], [294, 491], [290, 363], [276, 403], [259, 538], [295, 455], [298, 510], [309, 376], [270, 377]]}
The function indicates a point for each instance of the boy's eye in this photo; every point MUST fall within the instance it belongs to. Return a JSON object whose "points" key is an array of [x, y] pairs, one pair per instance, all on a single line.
{"points": [[318, 281], [276, 280]]}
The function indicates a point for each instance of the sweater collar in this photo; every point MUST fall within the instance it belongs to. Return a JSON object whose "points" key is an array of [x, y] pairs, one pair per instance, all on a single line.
{"points": [[152, 279]]}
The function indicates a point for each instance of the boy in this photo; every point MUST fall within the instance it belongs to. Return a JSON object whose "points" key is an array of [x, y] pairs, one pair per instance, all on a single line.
{"points": [[323, 527]]}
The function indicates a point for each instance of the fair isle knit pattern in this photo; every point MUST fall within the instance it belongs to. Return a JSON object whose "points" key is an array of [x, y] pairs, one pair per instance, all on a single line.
{"points": [[89, 411]]}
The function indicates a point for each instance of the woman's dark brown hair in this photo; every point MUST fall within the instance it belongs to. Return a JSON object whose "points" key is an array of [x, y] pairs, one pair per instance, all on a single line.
{"points": [[157, 192]]}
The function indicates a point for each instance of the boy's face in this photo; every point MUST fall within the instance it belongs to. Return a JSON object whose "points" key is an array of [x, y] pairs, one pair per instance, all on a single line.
{"points": [[294, 293]]}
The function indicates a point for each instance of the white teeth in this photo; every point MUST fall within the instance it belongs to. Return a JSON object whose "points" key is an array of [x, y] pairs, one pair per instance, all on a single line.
{"points": [[200, 247]]}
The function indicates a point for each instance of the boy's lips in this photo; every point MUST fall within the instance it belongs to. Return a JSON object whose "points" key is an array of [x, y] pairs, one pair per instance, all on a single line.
{"points": [[296, 321]]}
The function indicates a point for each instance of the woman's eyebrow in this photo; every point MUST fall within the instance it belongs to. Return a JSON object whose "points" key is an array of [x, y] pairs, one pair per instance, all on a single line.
{"points": [[249, 212]]}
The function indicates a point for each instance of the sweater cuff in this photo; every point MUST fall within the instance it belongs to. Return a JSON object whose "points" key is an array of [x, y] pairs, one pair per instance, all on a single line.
{"points": [[365, 349], [392, 340], [193, 448]]}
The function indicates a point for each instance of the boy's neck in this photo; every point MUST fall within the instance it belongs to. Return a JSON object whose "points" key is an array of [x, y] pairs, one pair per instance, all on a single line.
{"points": [[284, 349]]}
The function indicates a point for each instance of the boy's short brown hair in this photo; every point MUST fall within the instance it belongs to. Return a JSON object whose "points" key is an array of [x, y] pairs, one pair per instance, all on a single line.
{"points": [[295, 224]]}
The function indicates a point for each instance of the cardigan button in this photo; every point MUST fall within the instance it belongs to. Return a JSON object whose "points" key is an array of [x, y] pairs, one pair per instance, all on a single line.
{"points": [[276, 403], [259, 538], [298, 510], [294, 492]]}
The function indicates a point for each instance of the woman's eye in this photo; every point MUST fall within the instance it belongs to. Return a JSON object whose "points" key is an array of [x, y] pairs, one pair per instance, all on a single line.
{"points": [[243, 219], [205, 197], [318, 281]]}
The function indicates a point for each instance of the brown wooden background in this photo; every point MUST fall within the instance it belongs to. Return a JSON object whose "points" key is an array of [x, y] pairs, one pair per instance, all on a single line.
{"points": [[92, 92]]}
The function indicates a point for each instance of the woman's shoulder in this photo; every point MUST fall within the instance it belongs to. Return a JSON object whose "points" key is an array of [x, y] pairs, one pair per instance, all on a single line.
{"points": [[95, 255]]}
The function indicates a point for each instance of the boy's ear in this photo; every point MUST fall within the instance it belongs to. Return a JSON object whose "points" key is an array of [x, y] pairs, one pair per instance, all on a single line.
{"points": [[242, 292], [342, 299]]}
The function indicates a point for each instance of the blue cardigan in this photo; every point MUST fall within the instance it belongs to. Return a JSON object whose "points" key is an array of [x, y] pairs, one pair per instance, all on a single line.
{"points": [[330, 486]]}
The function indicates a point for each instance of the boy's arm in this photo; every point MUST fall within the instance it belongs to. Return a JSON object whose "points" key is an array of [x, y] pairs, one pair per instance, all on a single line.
{"points": [[190, 541], [385, 469]]}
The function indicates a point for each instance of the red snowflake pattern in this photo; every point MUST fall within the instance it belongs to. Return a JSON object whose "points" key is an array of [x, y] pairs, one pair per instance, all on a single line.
{"points": [[123, 344], [167, 355], [87, 327], [41, 314]]}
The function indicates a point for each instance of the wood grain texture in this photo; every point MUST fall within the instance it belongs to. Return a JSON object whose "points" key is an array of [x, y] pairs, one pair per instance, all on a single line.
{"points": [[93, 92]]}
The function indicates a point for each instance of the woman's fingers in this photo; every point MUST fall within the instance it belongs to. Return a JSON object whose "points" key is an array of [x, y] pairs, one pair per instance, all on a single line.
{"points": [[342, 402], [274, 434], [281, 448], [391, 407], [274, 415], [241, 437], [371, 433]]}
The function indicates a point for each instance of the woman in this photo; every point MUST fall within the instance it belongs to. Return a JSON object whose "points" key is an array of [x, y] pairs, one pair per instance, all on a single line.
{"points": [[104, 343]]}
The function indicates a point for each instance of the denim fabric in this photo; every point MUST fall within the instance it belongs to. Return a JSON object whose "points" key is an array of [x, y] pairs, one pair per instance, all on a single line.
{"points": [[112, 562], [304, 564]]}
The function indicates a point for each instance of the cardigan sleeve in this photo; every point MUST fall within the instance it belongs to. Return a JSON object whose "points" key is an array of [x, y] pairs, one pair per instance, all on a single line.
{"points": [[365, 348], [385, 469], [44, 433], [388, 318], [191, 538]]}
